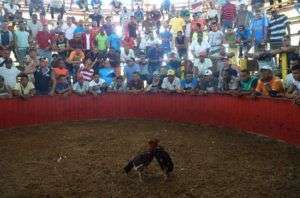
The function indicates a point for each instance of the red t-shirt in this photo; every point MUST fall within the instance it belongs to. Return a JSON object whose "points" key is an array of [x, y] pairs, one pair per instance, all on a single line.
{"points": [[43, 39]]}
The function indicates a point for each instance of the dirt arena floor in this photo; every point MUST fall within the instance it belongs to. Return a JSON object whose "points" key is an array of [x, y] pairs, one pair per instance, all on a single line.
{"points": [[85, 159]]}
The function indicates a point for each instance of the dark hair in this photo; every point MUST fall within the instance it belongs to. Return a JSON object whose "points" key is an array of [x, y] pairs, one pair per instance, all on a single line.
{"points": [[245, 71], [296, 67], [23, 75]]}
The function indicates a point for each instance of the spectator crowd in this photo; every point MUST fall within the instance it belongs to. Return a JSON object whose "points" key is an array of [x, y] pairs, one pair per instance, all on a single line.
{"points": [[223, 47]]}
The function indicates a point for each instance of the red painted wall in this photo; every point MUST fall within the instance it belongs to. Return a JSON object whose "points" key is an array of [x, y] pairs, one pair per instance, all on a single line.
{"points": [[278, 119]]}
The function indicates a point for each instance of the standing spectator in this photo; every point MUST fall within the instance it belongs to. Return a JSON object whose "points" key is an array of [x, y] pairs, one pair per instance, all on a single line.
{"points": [[259, 29], [43, 79], [43, 39], [277, 28], [130, 68], [81, 87], [94, 31], [10, 73], [22, 39], [102, 42], [171, 83], [136, 84], [247, 82], [181, 45], [154, 55], [132, 27], [34, 26], [228, 15], [10, 10], [202, 64], [166, 39], [108, 26], [24, 89], [114, 42], [199, 44], [96, 16], [268, 84], [97, 85], [198, 24], [69, 28], [6, 37], [79, 28], [128, 42], [59, 69], [155, 15], [5, 92], [139, 15], [61, 45], [147, 24], [177, 23], [243, 38], [173, 63], [37, 5], [57, 6], [215, 39], [244, 17], [87, 40]]}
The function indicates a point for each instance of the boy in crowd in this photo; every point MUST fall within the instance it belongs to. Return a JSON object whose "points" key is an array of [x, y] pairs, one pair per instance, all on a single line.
{"points": [[97, 85], [189, 83], [118, 84], [136, 84], [81, 87], [293, 90], [247, 82], [171, 83], [181, 45], [24, 89], [62, 86], [207, 83]]}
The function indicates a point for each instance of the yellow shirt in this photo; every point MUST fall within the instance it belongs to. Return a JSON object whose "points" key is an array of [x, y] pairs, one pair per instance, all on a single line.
{"points": [[24, 90], [177, 24]]}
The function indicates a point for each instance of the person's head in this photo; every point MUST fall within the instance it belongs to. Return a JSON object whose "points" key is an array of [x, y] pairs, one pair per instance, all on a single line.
{"points": [[214, 27], [294, 62], [179, 33], [136, 76], [156, 76], [172, 56], [102, 32], [43, 63], [274, 12], [244, 75], [80, 23], [8, 63], [60, 63], [266, 74], [96, 77], [189, 77], [130, 62], [61, 36], [23, 80], [69, 21], [88, 63], [202, 56], [4, 26], [32, 53], [45, 27], [258, 14], [22, 27], [94, 23], [108, 19], [34, 18], [171, 75], [132, 18], [153, 143], [241, 28], [226, 76], [77, 36], [119, 80], [124, 9], [208, 75], [230, 30], [296, 72]]}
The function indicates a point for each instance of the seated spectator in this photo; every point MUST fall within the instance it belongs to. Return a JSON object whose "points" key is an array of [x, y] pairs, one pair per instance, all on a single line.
{"points": [[86, 69], [10, 73], [24, 89], [114, 42], [155, 85], [126, 53], [202, 64], [289, 78], [61, 45], [114, 60], [189, 83], [59, 69], [62, 86], [97, 85], [247, 82], [43, 82], [128, 42], [293, 90], [107, 72], [144, 71], [81, 87], [199, 44], [207, 82], [118, 84], [96, 16], [171, 83], [5, 92], [77, 42], [229, 80], [181, 45], [130, 68], [268, 84], [136, 84]]}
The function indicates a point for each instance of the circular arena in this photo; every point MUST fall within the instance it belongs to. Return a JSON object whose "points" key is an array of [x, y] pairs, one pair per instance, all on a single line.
{"points": [[72, 158]]}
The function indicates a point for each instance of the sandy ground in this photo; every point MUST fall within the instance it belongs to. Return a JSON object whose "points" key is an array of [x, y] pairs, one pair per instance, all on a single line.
{"points": [[85, 159]]}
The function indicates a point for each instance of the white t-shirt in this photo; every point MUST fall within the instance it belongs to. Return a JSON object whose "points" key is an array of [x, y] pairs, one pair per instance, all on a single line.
{"points": [[69, 31], [296, 83], [197, 48], [125, 56], [10, 76], [202, 67], [288, 80], [96, 86], [11, 10], [175, 85]]}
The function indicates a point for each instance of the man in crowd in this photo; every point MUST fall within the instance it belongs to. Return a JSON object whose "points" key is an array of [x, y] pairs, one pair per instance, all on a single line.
{"points": [[24, 89], [171, 83]]}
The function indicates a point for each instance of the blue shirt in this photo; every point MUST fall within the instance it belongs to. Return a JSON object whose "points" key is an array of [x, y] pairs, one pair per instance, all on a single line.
{"points": [[166, 38], [185, 85], [114, 41], [258, 28], [129, 70], [243, 35], [107, 74], [79, 29]]}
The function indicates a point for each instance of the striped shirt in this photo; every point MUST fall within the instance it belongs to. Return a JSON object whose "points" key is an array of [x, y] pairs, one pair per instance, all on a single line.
{"points": [[228, 12], [277, 28], [87, 74]]}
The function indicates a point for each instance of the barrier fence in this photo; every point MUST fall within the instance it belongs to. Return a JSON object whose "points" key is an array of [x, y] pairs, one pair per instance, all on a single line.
{"points": [[279, 119]]}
